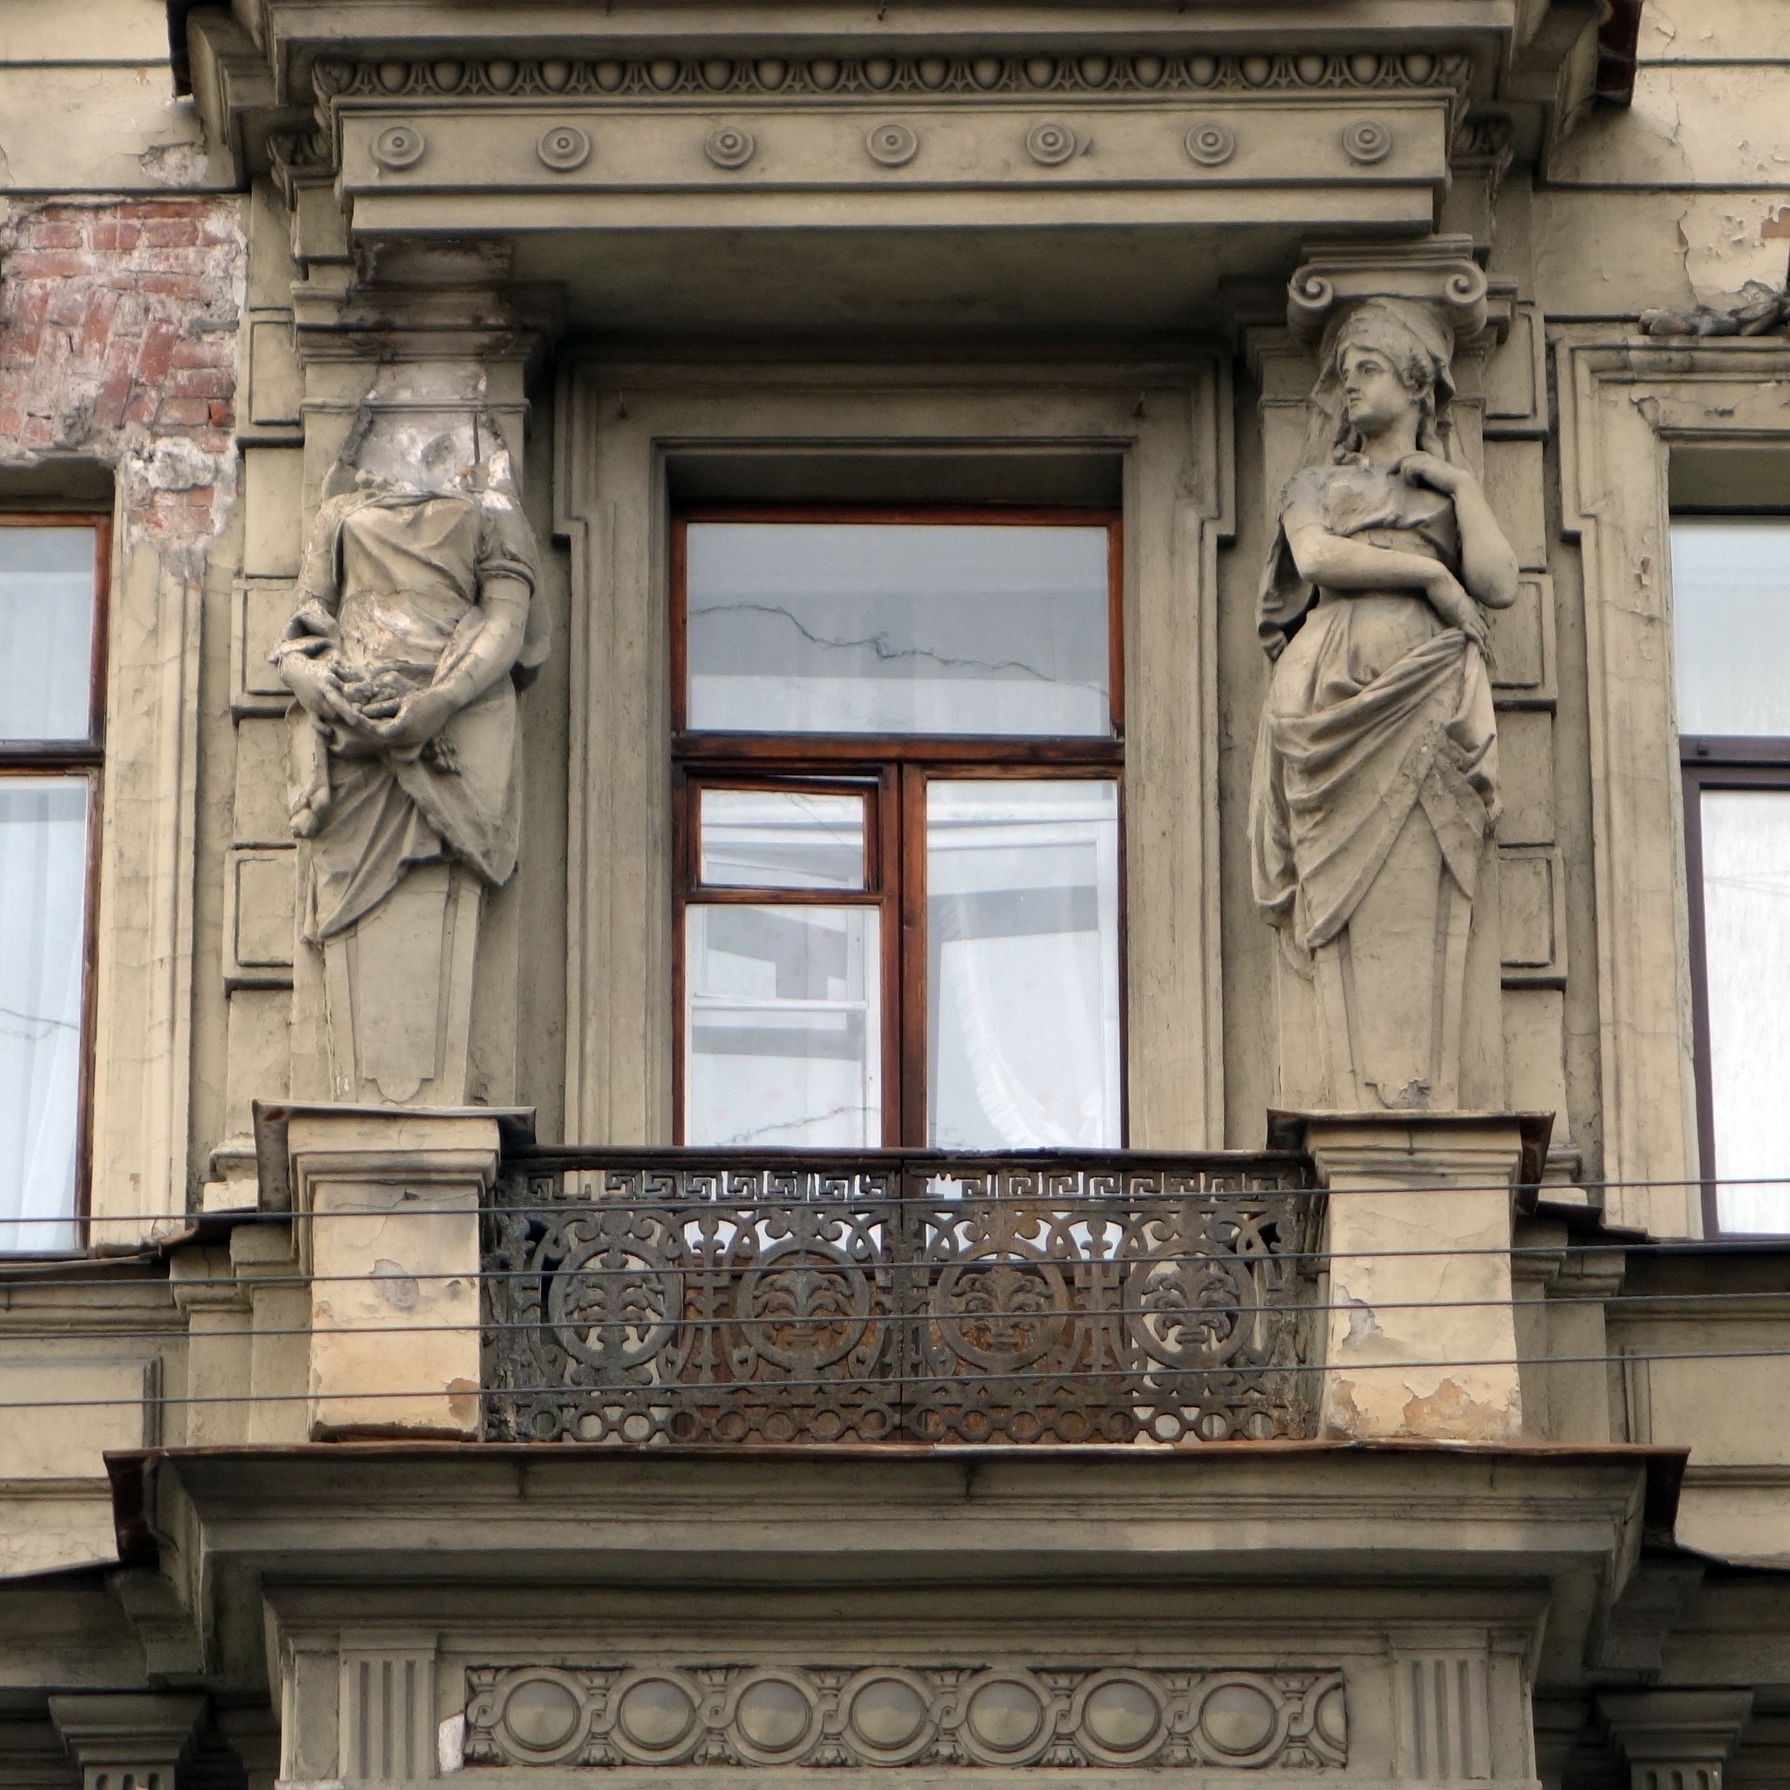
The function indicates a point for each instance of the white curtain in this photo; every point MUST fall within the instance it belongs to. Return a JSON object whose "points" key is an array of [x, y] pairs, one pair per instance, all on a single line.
{"points": [[1022, 880], [43, 859]]}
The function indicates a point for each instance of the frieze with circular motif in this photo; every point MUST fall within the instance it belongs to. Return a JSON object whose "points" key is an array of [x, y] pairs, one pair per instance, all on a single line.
{"points": [[976, 1716]]}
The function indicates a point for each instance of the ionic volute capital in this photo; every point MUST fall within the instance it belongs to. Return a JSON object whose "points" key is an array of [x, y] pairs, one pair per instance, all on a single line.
{"points": [[1438, 272]]}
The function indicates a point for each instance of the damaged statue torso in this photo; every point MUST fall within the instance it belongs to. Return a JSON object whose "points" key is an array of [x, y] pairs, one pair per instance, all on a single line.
{"points": [[394, 587]]}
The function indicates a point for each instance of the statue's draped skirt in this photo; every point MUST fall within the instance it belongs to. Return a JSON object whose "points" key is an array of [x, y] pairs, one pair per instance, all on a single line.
{"points": [[1375, 708]]}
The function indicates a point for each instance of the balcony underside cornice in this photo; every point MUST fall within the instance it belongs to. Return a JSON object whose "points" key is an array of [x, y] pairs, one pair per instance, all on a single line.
{"points": [[772, 169], [428, 1524]]}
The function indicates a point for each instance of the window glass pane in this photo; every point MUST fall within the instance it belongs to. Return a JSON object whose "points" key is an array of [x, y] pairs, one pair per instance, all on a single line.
{"points": [[1731, 623], [46, 632], [782, 839], [43, 880], [783, 1027], [897, 628], [1746, 929], [1023, 976]]}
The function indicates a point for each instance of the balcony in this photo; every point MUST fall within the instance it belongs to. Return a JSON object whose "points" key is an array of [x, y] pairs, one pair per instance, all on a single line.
{"points": [[648, 1297]]}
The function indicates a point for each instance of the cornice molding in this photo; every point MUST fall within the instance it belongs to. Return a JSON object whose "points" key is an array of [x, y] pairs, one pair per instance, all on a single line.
{"points": [[878, 78]]}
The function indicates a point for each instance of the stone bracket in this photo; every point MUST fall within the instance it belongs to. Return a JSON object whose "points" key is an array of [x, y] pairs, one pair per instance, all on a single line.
{"points": [[129, 1741], [1440, 272], [1677, 1739]]}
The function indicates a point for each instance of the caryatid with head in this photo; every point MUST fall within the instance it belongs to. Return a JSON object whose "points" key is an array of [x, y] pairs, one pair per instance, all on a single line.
{"points": [[1375, 786]]}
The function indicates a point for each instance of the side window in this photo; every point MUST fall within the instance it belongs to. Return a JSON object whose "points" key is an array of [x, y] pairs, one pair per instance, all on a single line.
{"points": [[1731, 606], [898, 742], [52, 659]]}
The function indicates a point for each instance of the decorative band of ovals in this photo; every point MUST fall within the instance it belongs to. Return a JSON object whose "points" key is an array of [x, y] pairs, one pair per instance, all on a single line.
{"points": [[1051, 144], [399, 146], [1211, 143], [729, 146], [1367, 140], [867, 1713], [564, 147], [893, 144]]}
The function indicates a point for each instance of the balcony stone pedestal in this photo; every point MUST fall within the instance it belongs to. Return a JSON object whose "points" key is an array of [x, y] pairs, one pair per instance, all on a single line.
{"points": [[1421, 1335], [385, 1203]]}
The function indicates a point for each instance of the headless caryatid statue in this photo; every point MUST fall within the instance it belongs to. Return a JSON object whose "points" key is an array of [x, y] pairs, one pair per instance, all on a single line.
{"points": [[415, 626], [1375, 787]]}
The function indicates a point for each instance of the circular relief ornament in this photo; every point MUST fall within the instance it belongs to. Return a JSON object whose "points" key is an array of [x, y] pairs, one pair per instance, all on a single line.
{"points": [[1211, 144], [1367, 140], [729, 146], [893, 144], [1050, 144], [563, 148], [399, 146], [541, 1715]]}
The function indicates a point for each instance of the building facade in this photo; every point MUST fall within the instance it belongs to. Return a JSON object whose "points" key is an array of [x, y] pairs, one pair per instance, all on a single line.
{"points": [[894, 889]]}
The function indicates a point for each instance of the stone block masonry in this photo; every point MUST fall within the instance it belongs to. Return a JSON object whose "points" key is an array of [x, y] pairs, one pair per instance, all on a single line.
{"points": [[118, 325]]}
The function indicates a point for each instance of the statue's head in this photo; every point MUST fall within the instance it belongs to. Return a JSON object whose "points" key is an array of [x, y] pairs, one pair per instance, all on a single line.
{"points": [[1384, 360]]}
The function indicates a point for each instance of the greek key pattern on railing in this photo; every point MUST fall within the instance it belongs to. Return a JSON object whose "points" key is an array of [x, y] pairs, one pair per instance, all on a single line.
{"points": [[678, 1298], [981, 1715]]}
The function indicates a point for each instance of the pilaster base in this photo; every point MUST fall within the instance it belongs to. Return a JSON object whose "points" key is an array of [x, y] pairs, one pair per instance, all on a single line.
{"points": [[386, 1208], [1421, 1336]]}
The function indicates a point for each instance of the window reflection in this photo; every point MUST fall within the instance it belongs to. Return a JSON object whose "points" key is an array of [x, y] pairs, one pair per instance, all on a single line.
{"points": [[46, 633], [1023, 984], [1746, 931], [888, 628], [43, 871], [781, 839], [783, 1026], [1731, 624]]}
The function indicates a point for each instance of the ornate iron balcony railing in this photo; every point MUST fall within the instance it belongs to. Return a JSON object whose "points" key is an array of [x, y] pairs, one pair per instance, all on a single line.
{"points": [[641, 1297]]}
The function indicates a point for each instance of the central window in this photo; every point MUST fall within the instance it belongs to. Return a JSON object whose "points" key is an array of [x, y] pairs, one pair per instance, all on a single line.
{"points": [[898, 828]]}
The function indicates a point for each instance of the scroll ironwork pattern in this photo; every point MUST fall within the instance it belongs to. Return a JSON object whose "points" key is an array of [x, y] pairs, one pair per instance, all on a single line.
{"points": [[670, 1298]]}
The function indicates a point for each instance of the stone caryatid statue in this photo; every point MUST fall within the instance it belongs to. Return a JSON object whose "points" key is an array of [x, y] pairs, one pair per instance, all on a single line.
{"points": [[1375, 785], [414, 627]]}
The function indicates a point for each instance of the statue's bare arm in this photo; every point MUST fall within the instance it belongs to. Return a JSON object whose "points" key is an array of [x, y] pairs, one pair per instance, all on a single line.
{"points": [[1488, 565], [1344, 563]]}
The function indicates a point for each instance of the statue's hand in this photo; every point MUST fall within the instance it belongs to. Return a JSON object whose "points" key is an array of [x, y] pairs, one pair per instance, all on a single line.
{"points": [[310, 677], [1435, 472], [1456, 607], [418, 718]]}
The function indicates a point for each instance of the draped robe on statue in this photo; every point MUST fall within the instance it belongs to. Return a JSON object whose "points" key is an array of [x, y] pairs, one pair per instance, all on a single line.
{"points": [[400, 841], [1375, 789], [393, 580]]}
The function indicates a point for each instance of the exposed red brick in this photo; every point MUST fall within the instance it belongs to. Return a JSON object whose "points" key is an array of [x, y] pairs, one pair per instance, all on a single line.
{"points": [[117, 326], [171, 233], [182, 413], [59, 236]]}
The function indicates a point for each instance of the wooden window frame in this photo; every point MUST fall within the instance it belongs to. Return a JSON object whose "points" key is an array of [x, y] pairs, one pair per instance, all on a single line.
{"points": [[894, 770], [85, 758]]}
